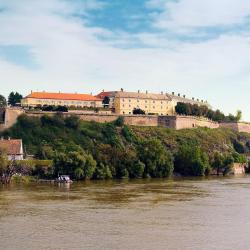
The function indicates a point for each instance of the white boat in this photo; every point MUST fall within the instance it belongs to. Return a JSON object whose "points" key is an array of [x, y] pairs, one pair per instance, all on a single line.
{"points": [[64, 179]]}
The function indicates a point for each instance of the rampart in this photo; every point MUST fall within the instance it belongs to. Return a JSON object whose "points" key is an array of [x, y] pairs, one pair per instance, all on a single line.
{"points": [[236, 126], [186, 122], [174, 122], [10, 117]]}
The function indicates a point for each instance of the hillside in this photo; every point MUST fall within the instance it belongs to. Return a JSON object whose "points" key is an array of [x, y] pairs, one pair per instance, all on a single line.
{"points": [[95, 150]]}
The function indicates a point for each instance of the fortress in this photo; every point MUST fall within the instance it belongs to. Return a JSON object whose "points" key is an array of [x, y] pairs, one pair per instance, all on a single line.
{"points": [[174, 122]]}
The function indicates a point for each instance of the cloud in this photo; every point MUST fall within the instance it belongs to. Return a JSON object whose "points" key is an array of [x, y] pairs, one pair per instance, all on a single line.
{"points": [[185, 15], [71, 56]]}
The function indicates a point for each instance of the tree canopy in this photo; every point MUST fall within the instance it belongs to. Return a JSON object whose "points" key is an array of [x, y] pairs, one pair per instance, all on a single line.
{"points": [[14, 98], [195, 110]]}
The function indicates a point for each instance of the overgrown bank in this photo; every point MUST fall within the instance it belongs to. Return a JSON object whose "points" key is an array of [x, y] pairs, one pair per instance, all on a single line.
{"points": [[114, 150]]}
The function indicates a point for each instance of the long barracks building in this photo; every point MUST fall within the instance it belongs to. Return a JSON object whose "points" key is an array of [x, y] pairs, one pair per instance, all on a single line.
{"points": [[63, 99]]}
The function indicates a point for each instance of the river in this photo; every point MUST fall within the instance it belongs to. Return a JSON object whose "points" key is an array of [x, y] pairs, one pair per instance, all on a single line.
{"points": [[178, 214]]}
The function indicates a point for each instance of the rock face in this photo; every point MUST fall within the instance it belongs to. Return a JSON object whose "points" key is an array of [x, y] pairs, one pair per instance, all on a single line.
{"points": [[239, 168]]}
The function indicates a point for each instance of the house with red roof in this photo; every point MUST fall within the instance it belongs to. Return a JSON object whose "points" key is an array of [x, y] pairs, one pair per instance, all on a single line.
{"points": [[13, 148], [35, 99]]}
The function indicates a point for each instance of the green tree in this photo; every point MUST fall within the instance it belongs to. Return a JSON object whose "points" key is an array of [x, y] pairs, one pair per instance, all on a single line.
{"points": [[138, 111], [102, 172], [14, 98], [158, 161], [191, 161], [106, 101], [3, 102]]}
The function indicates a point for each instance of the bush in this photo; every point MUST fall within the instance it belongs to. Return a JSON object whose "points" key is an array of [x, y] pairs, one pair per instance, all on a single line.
{"points": [[138, 111], [191, 161]]}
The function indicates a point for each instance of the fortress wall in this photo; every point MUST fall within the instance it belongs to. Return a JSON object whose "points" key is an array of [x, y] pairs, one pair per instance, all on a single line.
{"points": [[186, 122], [236, 126]]}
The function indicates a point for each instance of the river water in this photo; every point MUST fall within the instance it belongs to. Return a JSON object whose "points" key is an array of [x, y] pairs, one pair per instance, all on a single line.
{"points": [[143, 214]]}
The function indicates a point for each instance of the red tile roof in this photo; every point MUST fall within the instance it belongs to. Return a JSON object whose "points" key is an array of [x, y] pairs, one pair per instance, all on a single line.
{"points": [[12, 147], [63, 96]]}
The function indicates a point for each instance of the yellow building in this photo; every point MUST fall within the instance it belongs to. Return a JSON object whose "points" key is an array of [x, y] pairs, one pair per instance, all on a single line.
{"points": [[122, 102], [125, 102], [60, 99]]}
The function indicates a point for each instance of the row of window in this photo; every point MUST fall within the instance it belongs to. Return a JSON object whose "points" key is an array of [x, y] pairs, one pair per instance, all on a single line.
{"points": [[65, 102], [123, 105], [146, 101]]}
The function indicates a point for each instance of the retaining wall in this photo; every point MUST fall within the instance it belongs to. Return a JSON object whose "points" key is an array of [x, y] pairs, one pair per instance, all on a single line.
{"points": [[236, 126], [186, 122]]}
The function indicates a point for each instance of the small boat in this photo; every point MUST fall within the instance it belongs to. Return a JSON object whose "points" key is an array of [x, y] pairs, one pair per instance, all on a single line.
{"points": [[64, 179]]}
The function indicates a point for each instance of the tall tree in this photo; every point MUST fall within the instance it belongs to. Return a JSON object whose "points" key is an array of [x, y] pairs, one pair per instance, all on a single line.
{"points": [[14, 98], [3, 102]]}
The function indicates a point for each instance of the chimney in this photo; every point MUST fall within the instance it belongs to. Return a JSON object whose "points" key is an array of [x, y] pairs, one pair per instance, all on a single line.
{"points": [[184, 96], [161, 92], [103, 90], [121, 89], [179, 94], [138, 91], [8, 138], [1, 138], [172, 93], [198, 100], [146, 91], [193, 98], [31, 91]]}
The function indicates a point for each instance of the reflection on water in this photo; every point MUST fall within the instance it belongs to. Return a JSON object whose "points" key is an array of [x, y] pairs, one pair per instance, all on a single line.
{"points": [[141, 214]]}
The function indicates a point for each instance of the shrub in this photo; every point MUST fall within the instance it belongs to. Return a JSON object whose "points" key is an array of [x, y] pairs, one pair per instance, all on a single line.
{"points": [[191, 161]]}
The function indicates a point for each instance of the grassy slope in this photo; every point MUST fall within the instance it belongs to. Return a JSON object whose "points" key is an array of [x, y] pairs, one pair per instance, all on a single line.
{"points": [[54, 132]]}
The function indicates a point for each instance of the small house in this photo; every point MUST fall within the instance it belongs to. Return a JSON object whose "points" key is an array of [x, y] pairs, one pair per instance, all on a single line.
{"points": [[13, 148]]}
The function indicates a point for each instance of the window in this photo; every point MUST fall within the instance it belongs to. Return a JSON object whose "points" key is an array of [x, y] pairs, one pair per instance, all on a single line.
{"points": [[129, 105], [146, 101], [153, 101], [137, 100], [129, 100], [153, 107], [145, 106], [123, 100]]}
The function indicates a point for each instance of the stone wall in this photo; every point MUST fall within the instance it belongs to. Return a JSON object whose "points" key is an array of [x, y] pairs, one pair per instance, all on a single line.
{"points": [[138, 120], [174, 122], [236, 126], [186, 122], [11, 115]]}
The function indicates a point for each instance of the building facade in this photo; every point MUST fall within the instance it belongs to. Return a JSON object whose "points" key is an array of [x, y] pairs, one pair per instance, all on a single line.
{"points": [[13, 149], [125, 102], [122, 102], [61, 99]]}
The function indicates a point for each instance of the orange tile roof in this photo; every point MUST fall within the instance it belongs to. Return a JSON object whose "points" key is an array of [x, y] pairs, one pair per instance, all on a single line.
{"points": [[62, 96], [12, 147]]}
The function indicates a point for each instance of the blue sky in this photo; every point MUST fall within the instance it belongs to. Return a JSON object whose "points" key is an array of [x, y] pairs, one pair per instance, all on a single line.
{"points": [[192, 47]]}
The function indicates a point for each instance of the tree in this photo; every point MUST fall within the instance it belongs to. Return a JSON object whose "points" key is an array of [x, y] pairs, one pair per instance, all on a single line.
{"points": [[238, 115], [158, 161], [14, 98], [138, 111], [106, 102], [191, 161], [3, 102]]}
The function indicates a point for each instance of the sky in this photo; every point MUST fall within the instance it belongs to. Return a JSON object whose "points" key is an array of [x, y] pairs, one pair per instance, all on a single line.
{"points": [[200, 48]]}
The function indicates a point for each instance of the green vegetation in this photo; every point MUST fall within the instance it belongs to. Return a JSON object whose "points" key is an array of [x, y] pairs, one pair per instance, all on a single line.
{"points": [[195, 110], [138, 111], [14, 98], [90, 150], [3, 101]]}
